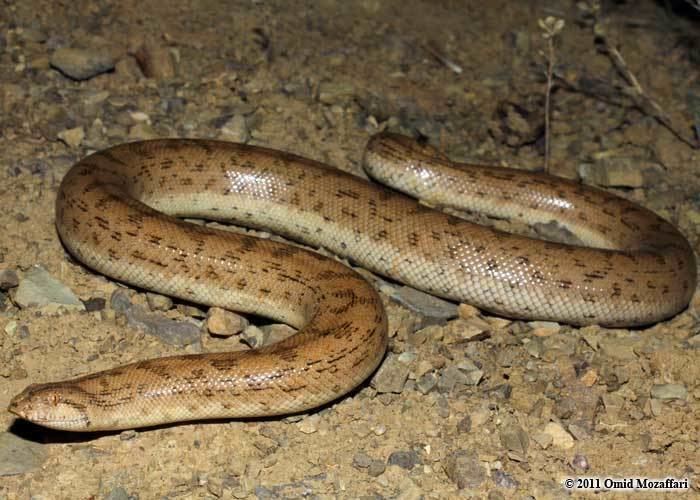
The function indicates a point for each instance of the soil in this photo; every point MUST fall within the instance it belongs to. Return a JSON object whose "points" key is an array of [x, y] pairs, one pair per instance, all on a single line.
{"points": [[548, 402]]}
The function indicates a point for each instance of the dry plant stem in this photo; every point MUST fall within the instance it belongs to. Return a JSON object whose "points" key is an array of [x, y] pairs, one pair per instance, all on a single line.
{"points": [[642, 101], [547, 99], [551, 26]]}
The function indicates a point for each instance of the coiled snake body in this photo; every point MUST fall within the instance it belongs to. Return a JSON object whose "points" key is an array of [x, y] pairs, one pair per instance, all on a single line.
{"points": [[110, 214]]}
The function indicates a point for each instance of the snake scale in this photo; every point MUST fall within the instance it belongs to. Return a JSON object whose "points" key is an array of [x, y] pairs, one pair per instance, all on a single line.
{"points": [[631, 268]]}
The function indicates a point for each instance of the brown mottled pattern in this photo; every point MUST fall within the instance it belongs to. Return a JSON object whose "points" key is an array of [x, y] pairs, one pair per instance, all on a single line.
{"points": [[110, 214]]}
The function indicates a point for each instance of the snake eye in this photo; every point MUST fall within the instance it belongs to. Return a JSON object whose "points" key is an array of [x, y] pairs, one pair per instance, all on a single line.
{"points": [[54, 399]]}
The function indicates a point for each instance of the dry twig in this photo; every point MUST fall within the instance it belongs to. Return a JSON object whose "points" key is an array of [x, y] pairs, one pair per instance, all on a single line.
{"points": [[551, 26], [633, 90]]}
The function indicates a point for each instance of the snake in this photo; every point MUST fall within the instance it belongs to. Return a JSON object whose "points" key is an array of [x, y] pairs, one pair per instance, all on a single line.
{"points": [[120, 212]]}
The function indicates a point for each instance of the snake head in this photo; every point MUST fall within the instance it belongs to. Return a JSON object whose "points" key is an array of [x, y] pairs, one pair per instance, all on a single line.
{"points": [[55, 406]]}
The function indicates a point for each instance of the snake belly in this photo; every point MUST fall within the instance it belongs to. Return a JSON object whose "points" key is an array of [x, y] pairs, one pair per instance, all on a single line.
{"points": [[117, 212]]}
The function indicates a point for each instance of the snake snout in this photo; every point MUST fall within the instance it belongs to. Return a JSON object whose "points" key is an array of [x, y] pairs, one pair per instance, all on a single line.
{"points": [[51, 406]]}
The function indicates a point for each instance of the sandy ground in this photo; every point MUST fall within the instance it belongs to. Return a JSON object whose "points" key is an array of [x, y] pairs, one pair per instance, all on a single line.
{"points": [[516, 407]]}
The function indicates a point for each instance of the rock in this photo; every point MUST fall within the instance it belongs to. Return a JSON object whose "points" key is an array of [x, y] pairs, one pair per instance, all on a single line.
{"points": [[309, 425], [473, 373], [693, 341], [450, 377], [464, 469], [82, 64], [391, 376], [225, 323], [8, 279], [254, 337], [589, 378], [155, 61], [276, 332], [426, 382], [404, 459], [470, 330], [560, 438], [579, 432], [544, 328], [117, 493], [72, 137], [94, 304], [621, 172], [669, 391], [158, 302], [361, 460], [168, 330], [433, 309], [408, 490], [142, 131], [503, 479], [465, 424], [514, 438], [622, 349], [39, 289], [120, 301], [543, 439], [376, 468], [467, 311], [564, 407], [235, 129], [534, 347], [501, 391], [191, 311], [580, 463], [18, 456]]}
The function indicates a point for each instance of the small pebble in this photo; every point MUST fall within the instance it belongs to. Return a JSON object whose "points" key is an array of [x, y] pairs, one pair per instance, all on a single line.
{"points": [[117, 493], [8, 279], [310, 424], [376, 468], [514, 438], [391, 376], [580, 462], [168, 330], [464, 469], [235, 130], [95, 304], [72, 137], [254, 337], [38, 288], [404, 459], [120, 300], [669, 391], [225, 323], [544, 328], [621, 172], [560, 438], [155, 61], [465, 424], [433, 309], [276, 332], [504, 480], [82, 64], [158, 302], [543, 439], [361, 460], [426, 383]]}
